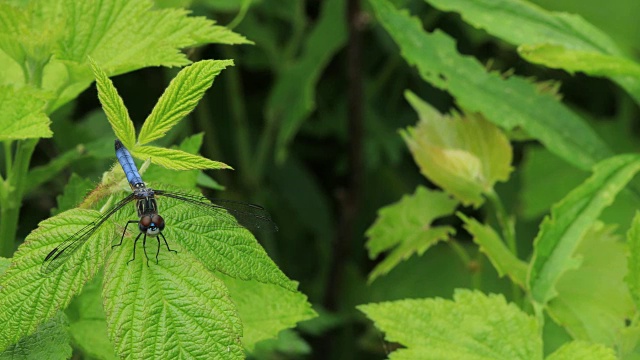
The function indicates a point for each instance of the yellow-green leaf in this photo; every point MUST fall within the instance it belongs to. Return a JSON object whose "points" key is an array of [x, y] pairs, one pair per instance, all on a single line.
{"points": [[176, 159], [113, 106], [464, 155]]}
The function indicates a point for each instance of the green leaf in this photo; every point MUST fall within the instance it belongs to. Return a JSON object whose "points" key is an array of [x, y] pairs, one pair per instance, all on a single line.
{"points": [[175, 159], [265, 309], [539, 27], [472, 326], [22, 114], [220, 243], [584, 351], [476, 90], [173, 309], [560, 234], [535, 24], [505, 262], [633, 277], [180, 98], [113, 106], [464, 155], [183, 179], [411, 215], [75, 190], [120, 35], [27, 298], [406, 227], [593, 301], [293, 96], [289, 344], [50, 341], [571, 60]]}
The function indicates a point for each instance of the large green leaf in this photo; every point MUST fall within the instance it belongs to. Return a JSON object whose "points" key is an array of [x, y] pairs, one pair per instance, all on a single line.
{"points": [[120, 35], [218, 241], [27, 296], [50, 341], [173, 309], [560, 233], [464, 155], [265, 309], [554, 39], [472, 326], [406, 228], [593, 302], [476, 90], [22, 114]]}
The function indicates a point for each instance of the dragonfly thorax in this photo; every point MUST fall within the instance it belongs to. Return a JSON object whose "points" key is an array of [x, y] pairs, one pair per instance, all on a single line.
{"points": [[151, 225]]}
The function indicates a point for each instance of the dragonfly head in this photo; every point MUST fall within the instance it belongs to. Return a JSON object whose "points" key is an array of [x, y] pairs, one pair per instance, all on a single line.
{"points": [[151, 224]]}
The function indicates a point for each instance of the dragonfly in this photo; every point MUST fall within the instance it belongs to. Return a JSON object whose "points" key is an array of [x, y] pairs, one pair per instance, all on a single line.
{"points": [[150, 223]]}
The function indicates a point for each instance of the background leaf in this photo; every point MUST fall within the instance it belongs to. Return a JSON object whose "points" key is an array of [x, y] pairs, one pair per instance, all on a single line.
{"points": [[22, 114], [560, 233], [406, 228], [463, 154], [476, 90], [472, 326]]}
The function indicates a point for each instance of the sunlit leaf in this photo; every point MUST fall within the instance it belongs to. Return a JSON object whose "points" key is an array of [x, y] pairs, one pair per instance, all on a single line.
{"points": [[266, 310], [27, 297], [113, 106], [464, 155], [472, 326], [175, 159], [22, 114], [584, 351], [180, 98], [158, 319]]}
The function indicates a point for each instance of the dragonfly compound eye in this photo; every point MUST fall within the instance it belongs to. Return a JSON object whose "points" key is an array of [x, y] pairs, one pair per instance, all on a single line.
{"points": [[158, 221], [144, 223]]}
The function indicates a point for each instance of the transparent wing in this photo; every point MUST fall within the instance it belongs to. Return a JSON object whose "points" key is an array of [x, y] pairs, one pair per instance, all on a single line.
{"points": [[250, 216], [62, 252]]}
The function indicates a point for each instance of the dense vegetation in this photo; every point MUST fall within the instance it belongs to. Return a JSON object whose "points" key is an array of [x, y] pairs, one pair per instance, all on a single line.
{"points": [[450, 178]]}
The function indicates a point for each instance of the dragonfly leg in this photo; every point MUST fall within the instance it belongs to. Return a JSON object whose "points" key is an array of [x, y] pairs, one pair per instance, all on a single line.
{"points": [[134, 248], [166, 243], [158, 251], [124, 232], [144, 247]]}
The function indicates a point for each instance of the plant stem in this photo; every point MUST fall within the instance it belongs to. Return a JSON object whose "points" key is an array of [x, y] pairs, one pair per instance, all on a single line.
{"points": [[508, 233], [505, 222], [249, 177], [14, 187]]}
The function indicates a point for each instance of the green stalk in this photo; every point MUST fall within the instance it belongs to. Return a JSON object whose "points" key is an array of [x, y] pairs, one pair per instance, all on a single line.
{"points": [[508, 233], [248, 174], [14, 187]]}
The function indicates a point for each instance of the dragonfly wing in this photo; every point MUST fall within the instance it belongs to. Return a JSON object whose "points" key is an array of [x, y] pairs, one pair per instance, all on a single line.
{"points": [[68, 247], [250, 216]]}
